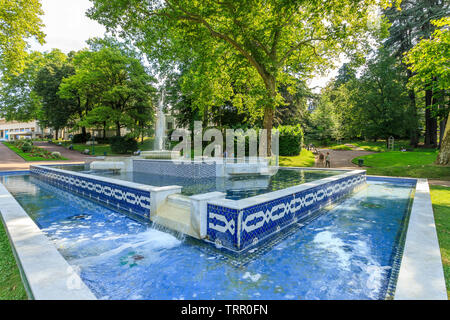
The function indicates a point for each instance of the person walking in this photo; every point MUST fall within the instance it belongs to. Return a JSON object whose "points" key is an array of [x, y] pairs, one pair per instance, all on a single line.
{"points": [[327, 161]]}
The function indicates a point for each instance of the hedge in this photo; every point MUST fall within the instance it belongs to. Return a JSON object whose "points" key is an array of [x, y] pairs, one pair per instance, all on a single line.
{"points": [[291, 140], [122, 145]]}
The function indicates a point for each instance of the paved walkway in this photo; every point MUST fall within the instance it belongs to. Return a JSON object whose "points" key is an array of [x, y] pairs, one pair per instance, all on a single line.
{"points": [[342, 159], [9, 160]]}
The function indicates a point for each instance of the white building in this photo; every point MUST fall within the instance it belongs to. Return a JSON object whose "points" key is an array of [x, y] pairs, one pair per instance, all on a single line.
{"points": [[12, 130]]}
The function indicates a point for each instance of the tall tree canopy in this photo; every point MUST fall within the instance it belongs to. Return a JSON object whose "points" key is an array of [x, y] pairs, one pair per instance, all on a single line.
{"points": [[254, 45], [408, 26], [19, 21], [112, 89], [429, 60], [18, 98]]}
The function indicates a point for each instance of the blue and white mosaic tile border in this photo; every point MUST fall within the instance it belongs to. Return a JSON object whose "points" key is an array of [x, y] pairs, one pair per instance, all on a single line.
{"points": [[127, 196], [185, 169], [239, 225]]}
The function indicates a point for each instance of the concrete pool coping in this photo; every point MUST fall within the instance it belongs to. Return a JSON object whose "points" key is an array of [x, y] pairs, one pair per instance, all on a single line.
{"points": [[45, 273], [421, 275]]}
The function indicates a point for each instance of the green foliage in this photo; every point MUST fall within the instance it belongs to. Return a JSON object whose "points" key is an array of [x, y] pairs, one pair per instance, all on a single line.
{"points": [[20, 22], [55, 112], [291, 140], [304, 159], [122, 145], [114, 89], [241, 52], [81, 138], [375, 106], [26, 147], [429, 60]]}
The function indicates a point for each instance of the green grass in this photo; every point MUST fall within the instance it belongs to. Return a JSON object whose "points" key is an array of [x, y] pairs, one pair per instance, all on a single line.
{"points": [[415, 164], [341, 147], [147, 145], [28, 156], [11, 287], [378, 146], [440, 197], [304, 159]]}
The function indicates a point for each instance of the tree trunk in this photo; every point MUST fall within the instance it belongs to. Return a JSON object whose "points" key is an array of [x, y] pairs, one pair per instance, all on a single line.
{"points": [[441, 131], [104, 129], [118, 129], [413, 132], [269, 111], [430, 122], [56, 133], [268, 123], [444, 154]]}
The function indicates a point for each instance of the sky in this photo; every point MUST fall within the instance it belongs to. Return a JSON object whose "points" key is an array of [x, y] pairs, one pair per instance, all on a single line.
{"points": [[66, 25], [67, 28]]}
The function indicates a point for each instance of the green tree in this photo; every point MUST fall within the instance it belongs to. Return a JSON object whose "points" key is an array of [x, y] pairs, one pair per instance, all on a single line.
{"points": [[381, 99], [429, 60], [408, 26], [18, 98], [253, 45], [19, 21], [114, 89], [55, 112], [372, 106]]}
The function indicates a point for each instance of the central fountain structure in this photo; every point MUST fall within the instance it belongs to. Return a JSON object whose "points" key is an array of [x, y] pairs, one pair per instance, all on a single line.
{"points": [[159, 151], [236, 225]]}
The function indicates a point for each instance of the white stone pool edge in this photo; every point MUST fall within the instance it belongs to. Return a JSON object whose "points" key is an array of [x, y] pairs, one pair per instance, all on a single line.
{"points": [[45, 273], [421, 275]]}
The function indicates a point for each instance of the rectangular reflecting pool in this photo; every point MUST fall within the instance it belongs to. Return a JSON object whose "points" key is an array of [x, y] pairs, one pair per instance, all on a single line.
{"points": [[349, 251]]}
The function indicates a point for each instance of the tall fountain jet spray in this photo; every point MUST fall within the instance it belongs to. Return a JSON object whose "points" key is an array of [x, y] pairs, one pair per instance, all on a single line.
{"points": [[160, 129]]}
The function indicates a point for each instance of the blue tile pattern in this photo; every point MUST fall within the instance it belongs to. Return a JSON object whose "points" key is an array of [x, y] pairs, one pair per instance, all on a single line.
{"points": [[239, 230], [185, 169], [122, 197]]}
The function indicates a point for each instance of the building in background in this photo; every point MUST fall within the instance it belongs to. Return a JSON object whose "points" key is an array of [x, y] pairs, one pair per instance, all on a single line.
{"points": [[13, 130]]}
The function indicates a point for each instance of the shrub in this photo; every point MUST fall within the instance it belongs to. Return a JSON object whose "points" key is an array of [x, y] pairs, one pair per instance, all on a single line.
{"points": [[291, 140], [27, 147], [123, 145], [81, 138], [56, 154]]}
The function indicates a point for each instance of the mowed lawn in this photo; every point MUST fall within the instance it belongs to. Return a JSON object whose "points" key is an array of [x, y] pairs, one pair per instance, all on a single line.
{"points": [[440, 197], [11, 287], [415, 164], [304, 159]]}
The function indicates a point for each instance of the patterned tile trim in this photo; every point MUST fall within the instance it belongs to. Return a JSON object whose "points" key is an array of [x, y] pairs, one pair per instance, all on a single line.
{"points": [[238, 230], [185, 169], [113, 194]]}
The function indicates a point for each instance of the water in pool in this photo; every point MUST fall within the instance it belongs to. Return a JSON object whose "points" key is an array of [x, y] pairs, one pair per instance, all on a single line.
{"points": [[236, 187], [346, 253]]}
